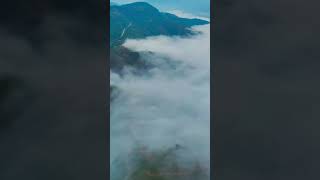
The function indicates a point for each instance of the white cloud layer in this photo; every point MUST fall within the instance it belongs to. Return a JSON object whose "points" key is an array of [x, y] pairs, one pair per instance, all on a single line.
{"points": [[170, 105], [183, 14]]}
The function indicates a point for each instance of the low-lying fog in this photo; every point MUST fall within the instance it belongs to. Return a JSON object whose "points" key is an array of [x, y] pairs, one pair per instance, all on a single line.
{"points": [[169, 106]]}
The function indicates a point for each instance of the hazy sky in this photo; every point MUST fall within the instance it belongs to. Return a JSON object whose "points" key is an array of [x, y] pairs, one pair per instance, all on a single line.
{"points": [[197, 7]]}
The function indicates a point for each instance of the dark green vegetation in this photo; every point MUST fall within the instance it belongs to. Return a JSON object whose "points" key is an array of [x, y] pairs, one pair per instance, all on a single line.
{"points": [[140, 19], [121, 57], [143, 164]]}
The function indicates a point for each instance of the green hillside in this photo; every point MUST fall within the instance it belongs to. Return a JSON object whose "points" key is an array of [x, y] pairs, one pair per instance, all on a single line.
{"points": [[140, 19]]}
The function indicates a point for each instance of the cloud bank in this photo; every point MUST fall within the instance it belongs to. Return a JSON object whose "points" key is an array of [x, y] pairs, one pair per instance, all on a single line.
{"points": [[170, 104], [183, 14]]}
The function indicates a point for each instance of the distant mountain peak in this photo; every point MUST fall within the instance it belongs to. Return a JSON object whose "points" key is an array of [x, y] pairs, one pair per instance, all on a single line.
{"points": [[141, 3], [140, 6], [141, 19]]}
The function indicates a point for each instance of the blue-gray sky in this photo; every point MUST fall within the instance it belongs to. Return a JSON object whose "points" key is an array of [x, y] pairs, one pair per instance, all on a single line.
{"points": [[196, 7]]}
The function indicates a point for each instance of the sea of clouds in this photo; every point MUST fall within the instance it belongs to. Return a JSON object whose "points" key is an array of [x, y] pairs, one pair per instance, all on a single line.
{"points": [[168, 105]]}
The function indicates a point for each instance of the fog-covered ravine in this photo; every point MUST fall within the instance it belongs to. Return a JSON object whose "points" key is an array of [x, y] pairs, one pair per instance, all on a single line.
{"points": [[160, 119]]}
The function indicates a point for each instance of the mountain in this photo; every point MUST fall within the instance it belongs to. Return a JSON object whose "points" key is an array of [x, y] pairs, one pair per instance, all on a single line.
{"points": [[196, 7], [121, 57], [140, 19]]}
